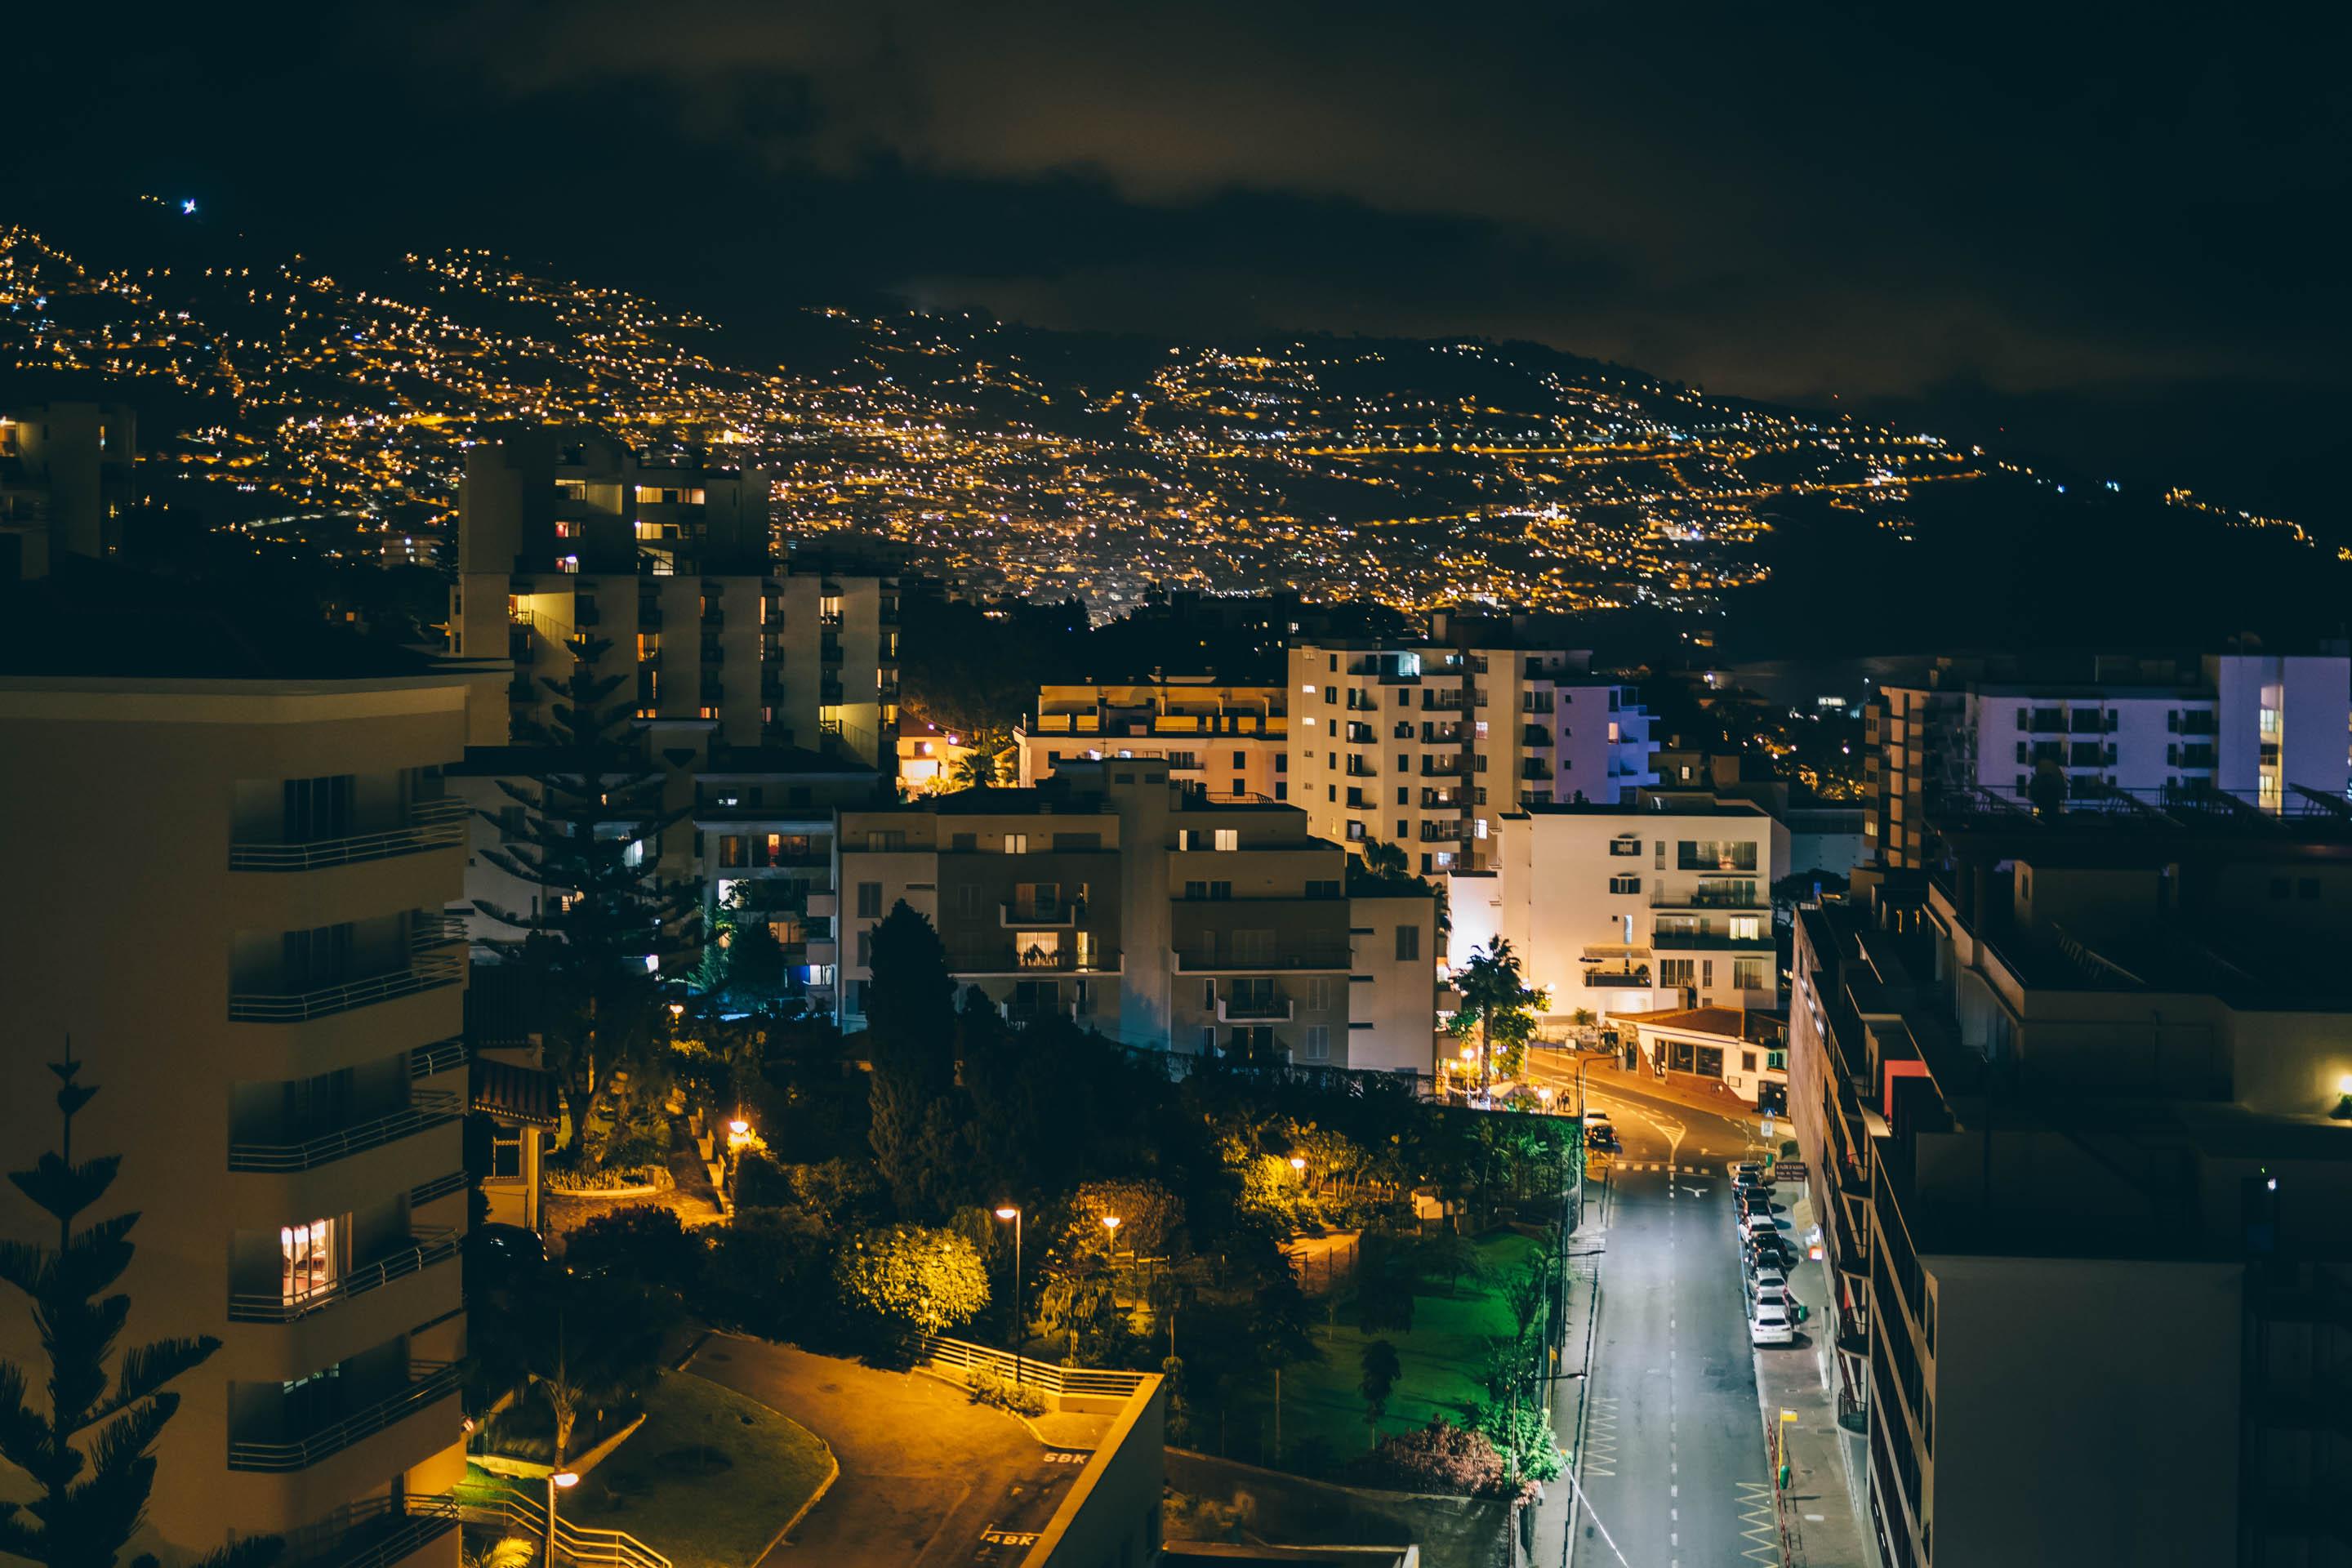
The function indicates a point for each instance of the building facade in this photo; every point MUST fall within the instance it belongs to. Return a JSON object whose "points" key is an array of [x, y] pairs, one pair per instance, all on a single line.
{"points": [[1426, 744], [1662, 902], [2255, 727], [278, 1062], [1232, 740], [2070, 1119], [1166, 920], [669, 562], [65, 482]]}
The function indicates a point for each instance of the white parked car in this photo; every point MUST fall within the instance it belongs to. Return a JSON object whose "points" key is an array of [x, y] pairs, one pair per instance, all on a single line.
{"points": [[1772, 1325], [1772, 1297], [1768, 1278]]}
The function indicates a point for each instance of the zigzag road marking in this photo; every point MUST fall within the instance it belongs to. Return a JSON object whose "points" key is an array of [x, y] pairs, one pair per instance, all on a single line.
{"points": [[1600, 1440], [1759, 1523]]}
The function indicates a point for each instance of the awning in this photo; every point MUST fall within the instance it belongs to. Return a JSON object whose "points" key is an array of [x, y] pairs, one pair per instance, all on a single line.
{"points": [[517, 1096]]}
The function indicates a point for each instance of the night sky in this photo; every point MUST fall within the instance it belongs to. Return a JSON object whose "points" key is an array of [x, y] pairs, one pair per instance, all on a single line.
{"points": [[2113, 230]]}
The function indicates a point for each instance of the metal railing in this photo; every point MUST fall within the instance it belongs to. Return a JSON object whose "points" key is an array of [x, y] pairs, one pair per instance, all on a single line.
{"points": [[961, 1354], [1710, 942], [424, 1193], [427, 931], [1246, 1010], [424, 1111], [442, 1056], [430, 825], [526, 1517], [425, 1248], [1060, 913], [1599, 978], [301, 1453], [1202, 961], [294, 1007], [1006, 961], [374, 1534]]}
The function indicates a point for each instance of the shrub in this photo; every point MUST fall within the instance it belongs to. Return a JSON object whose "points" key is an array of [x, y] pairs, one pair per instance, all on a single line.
{"points": [[1439, 1457], [911, 1277], [644, 1241], [993, 1388], [608, 1178], [765, 1274]]}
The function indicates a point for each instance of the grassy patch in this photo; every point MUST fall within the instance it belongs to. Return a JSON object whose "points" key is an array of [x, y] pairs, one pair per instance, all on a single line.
{"points": [[482, 1489], [1323, 1412], [708, 1481]]}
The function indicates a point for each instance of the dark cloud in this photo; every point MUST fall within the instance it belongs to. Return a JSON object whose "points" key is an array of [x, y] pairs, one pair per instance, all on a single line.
{"points": [[2046, 205]]}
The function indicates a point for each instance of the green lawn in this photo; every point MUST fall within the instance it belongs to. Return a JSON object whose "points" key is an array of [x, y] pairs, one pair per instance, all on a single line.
{"points": [[1443, 1358], [708, 1481]]}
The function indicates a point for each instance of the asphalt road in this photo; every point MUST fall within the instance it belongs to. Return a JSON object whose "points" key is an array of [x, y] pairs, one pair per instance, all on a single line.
{"points": [[1675, 1469]]}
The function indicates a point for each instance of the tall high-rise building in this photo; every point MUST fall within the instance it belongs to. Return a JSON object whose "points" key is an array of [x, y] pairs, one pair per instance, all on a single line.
{"points": [[228, 895], [1159, 916], [2073, 1116], [65, 480], [2043, 730], [669, 562], [1426, 743]]}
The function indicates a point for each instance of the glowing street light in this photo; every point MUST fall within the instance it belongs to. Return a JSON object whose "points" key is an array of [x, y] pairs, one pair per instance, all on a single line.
{"points": [[1020, 1322], [560, 1481]]}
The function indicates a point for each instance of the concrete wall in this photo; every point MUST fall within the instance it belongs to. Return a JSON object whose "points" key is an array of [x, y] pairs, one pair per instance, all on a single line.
{"points": [[1391, 1003], [1110, 1519]]}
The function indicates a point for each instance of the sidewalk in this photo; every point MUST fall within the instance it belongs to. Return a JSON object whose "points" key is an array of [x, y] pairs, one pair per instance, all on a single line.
{"points": [[1583, 1266], [1824, 1522]]}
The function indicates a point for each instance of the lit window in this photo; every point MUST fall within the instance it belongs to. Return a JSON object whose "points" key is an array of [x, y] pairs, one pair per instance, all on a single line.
{"points": [[1228, 838], [307, 1266]]}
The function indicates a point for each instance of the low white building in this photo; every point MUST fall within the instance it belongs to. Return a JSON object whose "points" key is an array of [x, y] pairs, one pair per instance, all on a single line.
{"points": [[1742, 1052], [1664, 901]]}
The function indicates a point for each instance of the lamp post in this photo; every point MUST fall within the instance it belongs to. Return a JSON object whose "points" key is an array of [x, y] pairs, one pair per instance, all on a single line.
{"points": [[1020, 1324], [739, 1138], [557, 1481]]}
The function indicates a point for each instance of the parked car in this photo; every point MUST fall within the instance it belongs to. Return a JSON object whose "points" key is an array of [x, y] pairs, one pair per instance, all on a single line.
{"points": [[1776, 1296], [1771, 1255], [1773, 1326], [1749, 1175], [1769, 1277], [1759, 1224]]}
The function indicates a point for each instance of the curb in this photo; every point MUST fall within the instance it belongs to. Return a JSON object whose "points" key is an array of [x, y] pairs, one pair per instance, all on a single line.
{"points": [[1584, 1392], [832, 1475]]}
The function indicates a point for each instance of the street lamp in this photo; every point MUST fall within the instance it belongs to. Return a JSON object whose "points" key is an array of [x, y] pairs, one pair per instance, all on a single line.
{"points": [[1019, 1327], [560, 1481], [1111, 1222], [739, 1138]]}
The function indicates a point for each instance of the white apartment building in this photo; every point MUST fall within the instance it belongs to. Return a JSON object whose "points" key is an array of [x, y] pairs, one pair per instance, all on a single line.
{"points": [[670, 562], [1662, 902], [278, 1064], [1116, 898], [1229, 740], [2256, 727], [1428, 745]]}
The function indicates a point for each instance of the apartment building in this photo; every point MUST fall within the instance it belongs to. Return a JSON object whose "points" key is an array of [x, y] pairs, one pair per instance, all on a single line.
{"points": [[1427, 744], [65, 482], [229, 896], [667, 558], [1660, 903], [1229, 740], [2256, 727], [2070, 1113], [1157, 914]]}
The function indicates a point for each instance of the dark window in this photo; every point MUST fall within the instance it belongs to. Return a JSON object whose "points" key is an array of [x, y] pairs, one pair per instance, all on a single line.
{"points": [[869, 903], [1408, 943]]}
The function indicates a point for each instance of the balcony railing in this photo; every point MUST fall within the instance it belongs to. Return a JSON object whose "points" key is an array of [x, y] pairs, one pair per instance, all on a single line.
{"points": [[425, 1248], [1006, 961], [424, 1193], [1054, 914], [1599, 979], [442, 1056], [1254, 1010], [298, 1006], [1710, 942], [1707, 899], [374, 1534], [301, 1453], [1200, 961], [428, 931], [431, 824], [1015, 1012], [423, 1111]]}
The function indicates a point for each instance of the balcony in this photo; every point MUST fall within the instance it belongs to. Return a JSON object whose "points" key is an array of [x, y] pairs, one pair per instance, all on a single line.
{"points": [[1008, 961], [1705, 898], [428, 931], [1535, 768], [422, 1251], [300, 1007], [1451, 767], [649, 615], [1535, 735], [429, 825], [420, 1393], [1635, 976], [423, 1112], [713, 618], [443, 1056], [1034, 1012], [1201, 961], [1042, 916], [374, 1534], [1710, 942], [1254, 1010]]}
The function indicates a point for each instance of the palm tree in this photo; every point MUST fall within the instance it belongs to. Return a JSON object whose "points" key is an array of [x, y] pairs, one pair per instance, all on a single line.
{"points": [[976, 769], [1497, 1006], [1382, 1369]]}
